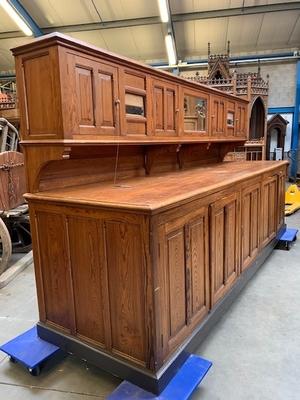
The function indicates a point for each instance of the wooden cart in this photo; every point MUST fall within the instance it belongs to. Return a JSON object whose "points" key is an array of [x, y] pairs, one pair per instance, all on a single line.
{"points": [[14, 219]]}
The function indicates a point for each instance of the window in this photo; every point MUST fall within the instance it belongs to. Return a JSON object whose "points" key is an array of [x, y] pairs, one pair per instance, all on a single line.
{"points": [[195, 113], [230, 119], [134, 104]]}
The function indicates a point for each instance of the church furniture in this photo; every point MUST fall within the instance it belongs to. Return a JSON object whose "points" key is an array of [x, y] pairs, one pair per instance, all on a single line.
{"points": [[141, 233]]}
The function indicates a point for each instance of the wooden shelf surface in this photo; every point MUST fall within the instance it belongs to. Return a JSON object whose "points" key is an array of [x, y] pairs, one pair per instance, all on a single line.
{"points": [[157, 192]]}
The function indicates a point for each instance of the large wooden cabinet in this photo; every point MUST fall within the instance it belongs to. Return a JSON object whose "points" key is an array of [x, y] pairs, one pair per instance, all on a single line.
{"points": [[101, 94], [141, 232]]}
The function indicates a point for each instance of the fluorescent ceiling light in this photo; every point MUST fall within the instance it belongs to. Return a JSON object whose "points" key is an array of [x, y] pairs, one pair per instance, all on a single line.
{"points": [[170, 49], [16, 17], [163, 10]]}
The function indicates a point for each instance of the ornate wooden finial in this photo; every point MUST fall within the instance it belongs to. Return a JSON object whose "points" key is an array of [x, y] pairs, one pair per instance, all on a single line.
{"points": [[228, 48], [208, 49]]}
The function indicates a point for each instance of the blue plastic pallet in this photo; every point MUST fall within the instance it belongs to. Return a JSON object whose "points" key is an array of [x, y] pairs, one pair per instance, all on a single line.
{"points": [[30, 350], [286, 239], [181, 387]]}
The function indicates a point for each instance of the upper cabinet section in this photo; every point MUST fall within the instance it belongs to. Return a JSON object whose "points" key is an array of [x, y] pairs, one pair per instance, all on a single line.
{"points": [[72, 91]]}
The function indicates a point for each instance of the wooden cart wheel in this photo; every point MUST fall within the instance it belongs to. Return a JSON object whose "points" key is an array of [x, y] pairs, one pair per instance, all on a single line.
{"points": [[5, 246]]}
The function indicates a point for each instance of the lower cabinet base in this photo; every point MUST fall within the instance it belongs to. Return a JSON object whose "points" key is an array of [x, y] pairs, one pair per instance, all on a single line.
{"points": [[156, 382]]}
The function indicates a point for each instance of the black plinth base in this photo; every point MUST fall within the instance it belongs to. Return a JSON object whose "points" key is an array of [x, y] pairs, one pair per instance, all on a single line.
{"points": [[155, 382]]}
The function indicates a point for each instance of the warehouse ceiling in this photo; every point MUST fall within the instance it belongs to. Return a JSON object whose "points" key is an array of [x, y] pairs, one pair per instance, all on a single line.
{"points": [[133, 27]]}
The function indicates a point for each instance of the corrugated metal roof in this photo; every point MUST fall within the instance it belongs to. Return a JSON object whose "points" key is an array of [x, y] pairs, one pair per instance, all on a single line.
{"points": [[247, 33]]}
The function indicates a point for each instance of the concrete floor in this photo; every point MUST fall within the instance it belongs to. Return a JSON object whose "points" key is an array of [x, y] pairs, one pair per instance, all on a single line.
{"points": [[255, 348]]}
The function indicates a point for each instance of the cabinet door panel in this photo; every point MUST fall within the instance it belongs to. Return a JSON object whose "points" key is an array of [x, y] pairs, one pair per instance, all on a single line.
{"points": [[176, 273], [53, 248], [218, 118], [183, 277], [269, 208], [158, 109], [224, 251], [230, 118], [107, 106], [126, 285], [170, 110], [195, 110], [281, 197], [250, 215], [241, 120], [85, 96], [165, 104], [88, 277], [197, 267]]}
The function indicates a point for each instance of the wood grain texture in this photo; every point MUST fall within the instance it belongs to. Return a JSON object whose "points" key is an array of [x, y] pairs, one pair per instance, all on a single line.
{"points": [[250, 223], [86, 251], [139, 228], [224, 247], [90, 97], [126, 288], [52, 245]]}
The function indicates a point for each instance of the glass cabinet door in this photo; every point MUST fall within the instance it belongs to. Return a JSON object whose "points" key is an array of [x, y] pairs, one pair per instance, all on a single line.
{"points": [[195, 108]]}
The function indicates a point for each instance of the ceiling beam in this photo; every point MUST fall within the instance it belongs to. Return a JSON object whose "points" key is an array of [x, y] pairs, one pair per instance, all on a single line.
{"points": [[21, 10], [171, 30], [125, 23]]}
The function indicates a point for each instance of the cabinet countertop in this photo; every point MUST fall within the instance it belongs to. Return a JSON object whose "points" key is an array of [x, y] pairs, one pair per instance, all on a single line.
{"points": [[161, 191]]}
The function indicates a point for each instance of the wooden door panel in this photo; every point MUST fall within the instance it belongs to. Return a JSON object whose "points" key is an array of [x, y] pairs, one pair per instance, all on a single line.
{"points": [[241, 120], [218, 118], [281, 197], [170, 110], [164, 110], [176, 274], [126, 282], [269, 208], [107, 107], [158, 109], [53, 250], [250, 222], [230, 241], [88, 275], [85, 96], [183, 276], [198, 263], [197, 267], [224, 248]]}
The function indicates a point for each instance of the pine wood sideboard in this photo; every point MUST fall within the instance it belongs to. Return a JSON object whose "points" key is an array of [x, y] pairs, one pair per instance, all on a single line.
{"points": [[142, 234]]}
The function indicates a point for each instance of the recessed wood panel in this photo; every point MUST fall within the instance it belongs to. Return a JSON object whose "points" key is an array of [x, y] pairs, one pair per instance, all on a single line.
{"points": [[218, 117], [87, 261], [170, 110], [84, 96], [196, 249], [107, 99], [224, 246], [135, 81], [176, 272], [158, 108], [126, 277], [230, 240], [269, 208], [255, 220], [42, 96], [246, 227], [241, 121], [53, 249], [218, 249]]}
